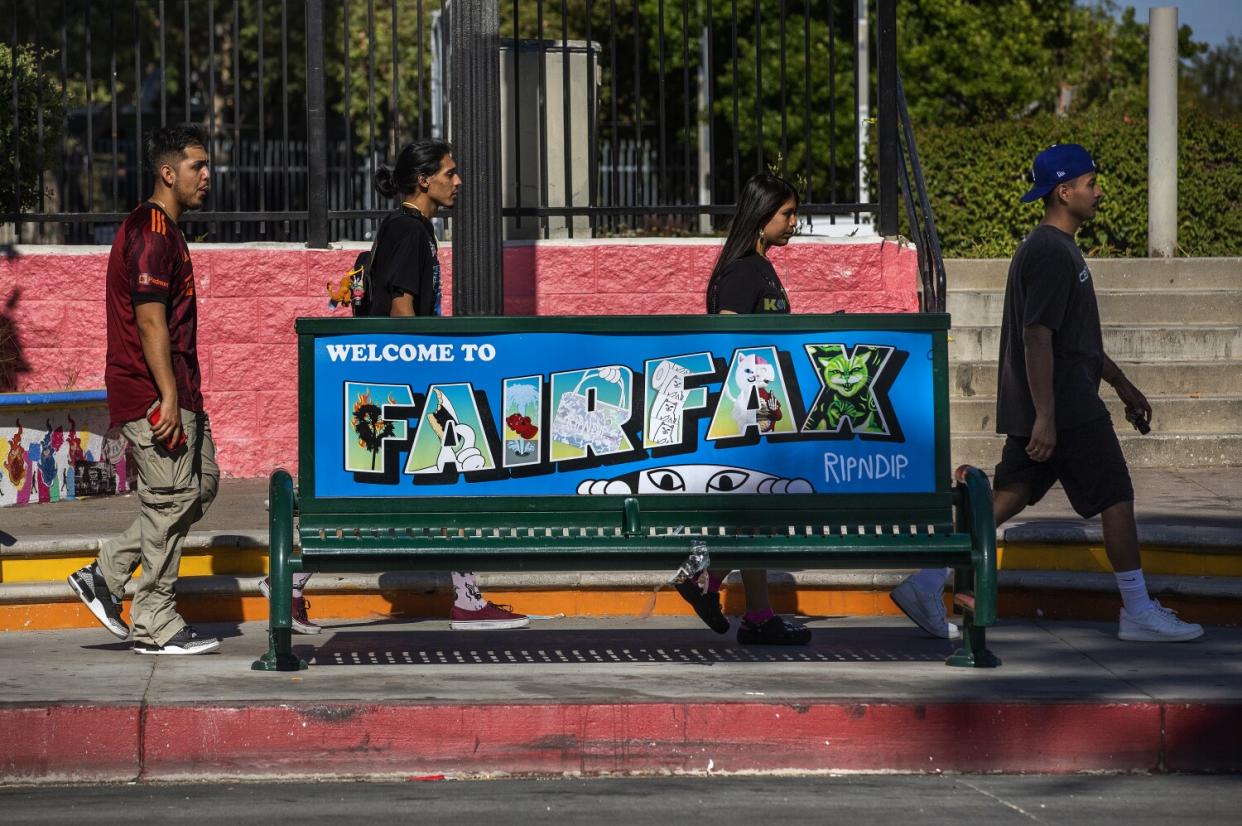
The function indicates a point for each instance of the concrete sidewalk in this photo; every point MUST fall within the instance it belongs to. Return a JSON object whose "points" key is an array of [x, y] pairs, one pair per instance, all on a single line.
{"points": [[662, 695], [1052, 564]]}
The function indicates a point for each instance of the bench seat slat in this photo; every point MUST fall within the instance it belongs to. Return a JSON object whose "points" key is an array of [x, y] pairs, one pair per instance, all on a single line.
{"points": [[774, 545], [660, 520], [639, 553]]}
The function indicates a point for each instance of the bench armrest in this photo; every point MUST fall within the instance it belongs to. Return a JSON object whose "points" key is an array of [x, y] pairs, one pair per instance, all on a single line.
{"points": [[974, 516]]}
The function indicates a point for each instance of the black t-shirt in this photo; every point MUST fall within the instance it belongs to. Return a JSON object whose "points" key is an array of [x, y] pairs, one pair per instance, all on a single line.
{"points": [[1050, 285], [405, 264], [748, 285]]}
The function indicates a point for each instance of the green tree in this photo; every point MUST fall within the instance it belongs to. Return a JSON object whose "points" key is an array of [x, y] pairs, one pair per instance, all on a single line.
{"points": [[1216, 77], [368, 27], [30, 139], [975, 61]]}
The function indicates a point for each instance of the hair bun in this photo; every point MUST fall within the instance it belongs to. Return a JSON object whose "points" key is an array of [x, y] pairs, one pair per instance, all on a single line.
{"points": [[385, 182]]}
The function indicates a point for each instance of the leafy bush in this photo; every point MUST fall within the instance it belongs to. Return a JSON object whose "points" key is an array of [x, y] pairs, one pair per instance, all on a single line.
{"points": [[975, 175]]}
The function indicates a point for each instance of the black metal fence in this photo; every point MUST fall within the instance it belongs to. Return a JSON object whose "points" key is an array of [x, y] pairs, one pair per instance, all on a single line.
{"points": [[618, 116]]}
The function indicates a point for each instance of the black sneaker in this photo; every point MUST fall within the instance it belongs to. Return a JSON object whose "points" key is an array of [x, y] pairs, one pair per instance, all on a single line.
{"points": [[773, 631], [92, 589], [707, 606], [185, 641]]}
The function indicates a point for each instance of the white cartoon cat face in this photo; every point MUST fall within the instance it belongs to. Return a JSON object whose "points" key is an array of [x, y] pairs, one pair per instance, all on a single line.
{"points": [[754, 369], [694, 479]]}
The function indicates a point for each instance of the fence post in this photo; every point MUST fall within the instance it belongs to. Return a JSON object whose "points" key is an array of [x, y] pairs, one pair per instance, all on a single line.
{"points": [[478, 256], [886, 18], [316, 131]]}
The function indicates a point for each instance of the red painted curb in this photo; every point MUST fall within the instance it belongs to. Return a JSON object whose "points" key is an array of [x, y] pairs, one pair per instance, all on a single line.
{"points": [[82, 743], [69, 743], [1203, 738], [656, 737]]}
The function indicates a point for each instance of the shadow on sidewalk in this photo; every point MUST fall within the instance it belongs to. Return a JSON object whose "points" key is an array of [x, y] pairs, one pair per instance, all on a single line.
{"points": [[593, 647]]}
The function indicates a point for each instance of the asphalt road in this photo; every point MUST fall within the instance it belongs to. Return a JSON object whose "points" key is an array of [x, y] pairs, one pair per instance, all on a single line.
{"points": [[671, 801]]}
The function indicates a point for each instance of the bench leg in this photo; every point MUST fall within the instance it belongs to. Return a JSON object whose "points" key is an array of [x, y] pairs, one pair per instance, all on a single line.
{"points": [[974, 652], [280, 656], [975, 586]]}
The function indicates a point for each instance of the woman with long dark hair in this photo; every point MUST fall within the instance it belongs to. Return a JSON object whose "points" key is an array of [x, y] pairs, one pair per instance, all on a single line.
{"points": [[742, 282], [405, 281]]}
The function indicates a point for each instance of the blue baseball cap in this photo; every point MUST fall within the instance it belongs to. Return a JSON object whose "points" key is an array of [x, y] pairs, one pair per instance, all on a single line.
{"points": [[1058, 163]]}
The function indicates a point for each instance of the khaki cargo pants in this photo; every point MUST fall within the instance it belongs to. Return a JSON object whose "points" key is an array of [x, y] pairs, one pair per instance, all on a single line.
{"points": [[175, 489]]}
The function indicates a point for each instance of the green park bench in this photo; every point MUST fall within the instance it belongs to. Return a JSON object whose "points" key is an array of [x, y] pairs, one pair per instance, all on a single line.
{"points": [[614, 443]]}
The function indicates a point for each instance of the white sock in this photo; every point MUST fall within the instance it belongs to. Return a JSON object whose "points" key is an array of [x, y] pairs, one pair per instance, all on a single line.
{"points": [[1133, 591], [931, 580], [299, 582], [466, 594]]}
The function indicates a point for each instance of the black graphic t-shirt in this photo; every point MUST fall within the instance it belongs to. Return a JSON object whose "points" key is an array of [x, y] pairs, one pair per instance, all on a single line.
{"points": [[1050, 285], [749, 285], [405, 264]]}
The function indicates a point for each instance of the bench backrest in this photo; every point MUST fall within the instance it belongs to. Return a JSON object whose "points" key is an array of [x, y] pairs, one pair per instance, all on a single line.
{"points": [[735, 422]]}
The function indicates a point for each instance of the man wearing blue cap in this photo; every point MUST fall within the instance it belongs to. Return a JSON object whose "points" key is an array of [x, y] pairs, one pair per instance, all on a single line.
{"points": [[1048, 402]]}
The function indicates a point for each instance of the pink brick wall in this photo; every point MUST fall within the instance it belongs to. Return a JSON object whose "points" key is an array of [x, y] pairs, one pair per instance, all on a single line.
{"points": [[250, 296]]}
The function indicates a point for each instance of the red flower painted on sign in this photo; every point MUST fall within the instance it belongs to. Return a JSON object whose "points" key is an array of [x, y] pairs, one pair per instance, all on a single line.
{"points": [[521, 425]]}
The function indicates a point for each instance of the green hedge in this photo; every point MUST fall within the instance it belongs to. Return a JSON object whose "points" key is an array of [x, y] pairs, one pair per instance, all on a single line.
{"points": [[976, 174]]}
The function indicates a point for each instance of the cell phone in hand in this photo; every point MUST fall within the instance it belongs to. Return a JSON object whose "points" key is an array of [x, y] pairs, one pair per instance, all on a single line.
{"points": [[153, 416], [1136, 418]]}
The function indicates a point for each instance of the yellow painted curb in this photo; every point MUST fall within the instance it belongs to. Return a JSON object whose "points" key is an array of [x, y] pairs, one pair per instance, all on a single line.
{"points": [[581, 603], [233, 562], [1021, 557], [1093, 559]]}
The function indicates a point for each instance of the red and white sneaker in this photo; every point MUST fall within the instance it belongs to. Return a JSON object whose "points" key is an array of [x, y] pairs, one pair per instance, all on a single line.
{"points": [[300, 623], [490, 617]]}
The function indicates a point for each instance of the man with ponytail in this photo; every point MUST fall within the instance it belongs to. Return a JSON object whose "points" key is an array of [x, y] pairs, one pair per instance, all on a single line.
{"points": [[405, 281], [405, 270]]}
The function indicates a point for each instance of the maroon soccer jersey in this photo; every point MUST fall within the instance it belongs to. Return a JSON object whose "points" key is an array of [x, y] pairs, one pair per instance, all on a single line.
{"points": [[150, 261]]}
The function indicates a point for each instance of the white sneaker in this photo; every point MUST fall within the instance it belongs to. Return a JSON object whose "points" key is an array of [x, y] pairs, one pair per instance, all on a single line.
{"points": [[925, 610], [1157, 624]]}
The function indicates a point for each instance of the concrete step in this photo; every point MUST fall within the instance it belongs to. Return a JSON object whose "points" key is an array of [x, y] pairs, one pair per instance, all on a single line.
{"points": [[1176, 414], [985, 307], [1125, 342], [1155, 450], [1165, 378], [1111, 273]]}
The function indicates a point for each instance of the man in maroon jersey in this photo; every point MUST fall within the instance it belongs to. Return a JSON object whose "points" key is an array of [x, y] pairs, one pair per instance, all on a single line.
{"points": [[154, 395]]}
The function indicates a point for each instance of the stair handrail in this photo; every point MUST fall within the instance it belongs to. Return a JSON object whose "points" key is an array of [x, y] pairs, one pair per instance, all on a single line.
{"points": [[922, 219]]}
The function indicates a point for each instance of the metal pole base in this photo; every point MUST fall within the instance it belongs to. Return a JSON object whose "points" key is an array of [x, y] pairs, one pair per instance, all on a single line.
{"points": [[279, 656], [974, 652]]}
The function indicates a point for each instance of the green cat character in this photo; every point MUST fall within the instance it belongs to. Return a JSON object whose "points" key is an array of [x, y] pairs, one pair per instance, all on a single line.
{"points": [[847, 395]]}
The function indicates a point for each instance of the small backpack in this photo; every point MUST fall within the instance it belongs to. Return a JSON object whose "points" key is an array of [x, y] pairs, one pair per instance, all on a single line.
{"points": [[355, 286]]}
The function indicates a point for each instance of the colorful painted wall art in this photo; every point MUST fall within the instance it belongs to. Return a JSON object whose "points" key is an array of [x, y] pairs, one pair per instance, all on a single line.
{"points": [[54, 455]]}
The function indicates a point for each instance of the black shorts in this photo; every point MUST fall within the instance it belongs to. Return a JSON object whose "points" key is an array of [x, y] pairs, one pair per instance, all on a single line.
{"points": [[1087, 461]]}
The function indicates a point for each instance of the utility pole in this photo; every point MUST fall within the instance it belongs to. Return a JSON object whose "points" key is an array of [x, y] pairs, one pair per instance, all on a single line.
{"points": [[1162, 133]]}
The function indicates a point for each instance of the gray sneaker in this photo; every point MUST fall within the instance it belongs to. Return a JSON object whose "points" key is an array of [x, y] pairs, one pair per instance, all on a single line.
{"points": [[90, 586], [185, 641], [925, 610], [1157, 624]]}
